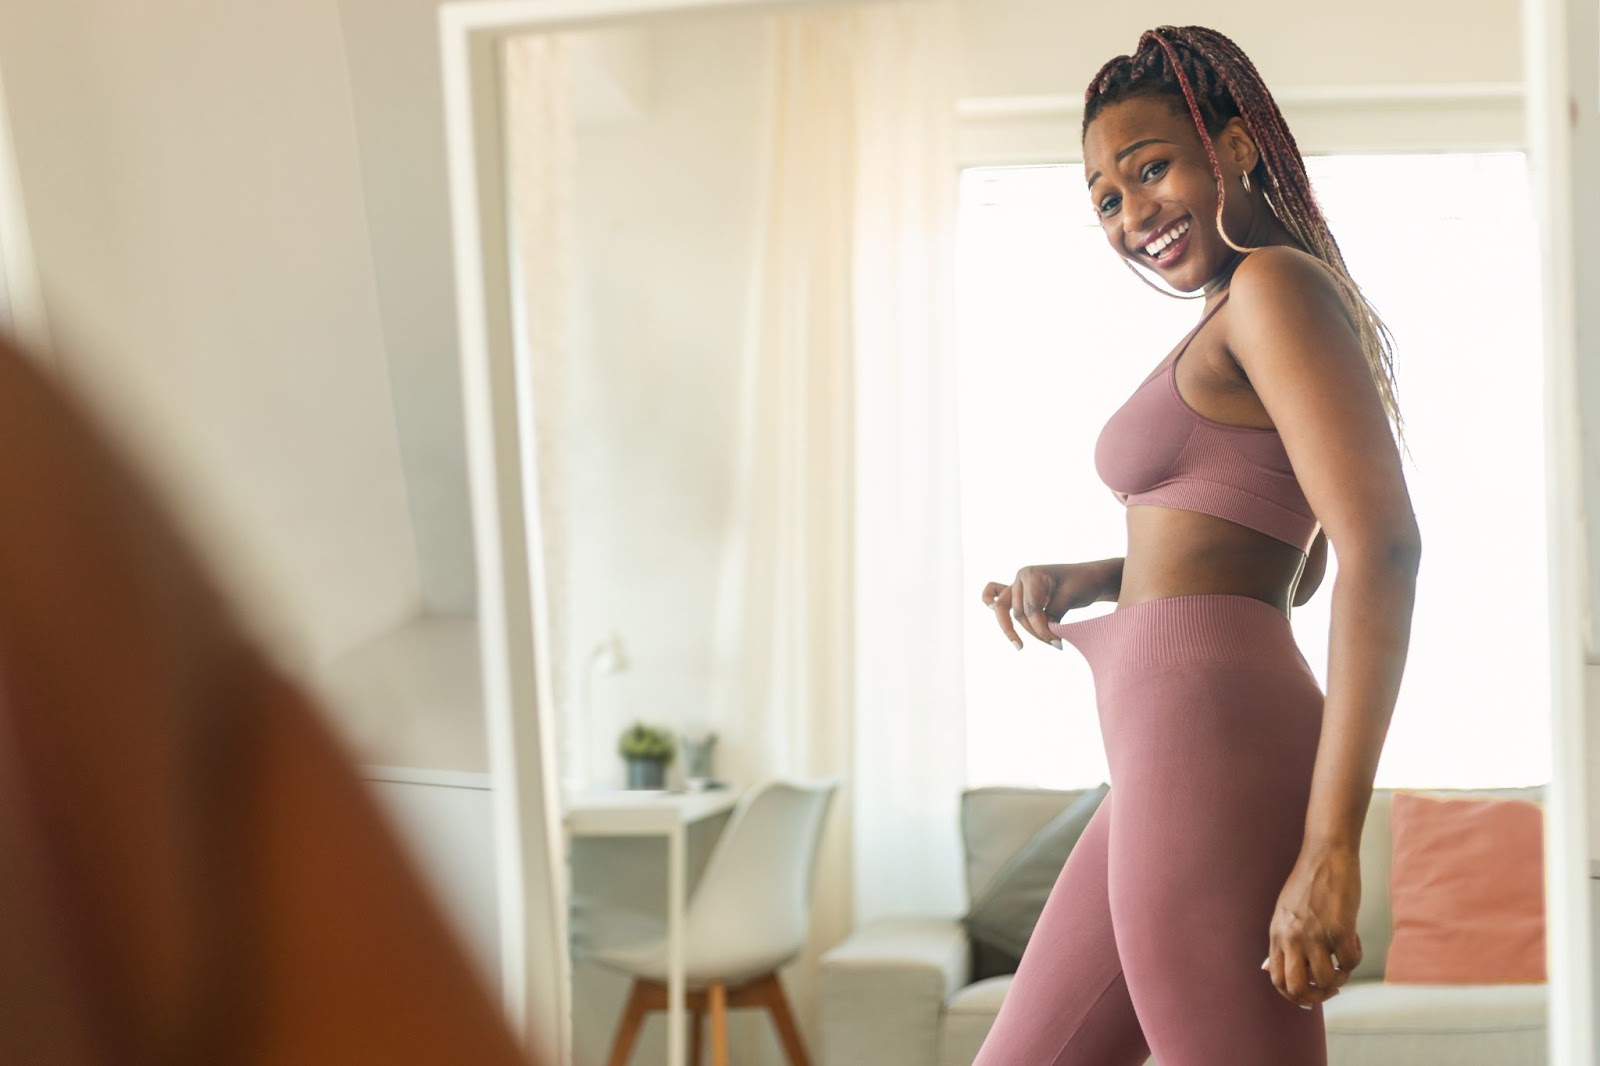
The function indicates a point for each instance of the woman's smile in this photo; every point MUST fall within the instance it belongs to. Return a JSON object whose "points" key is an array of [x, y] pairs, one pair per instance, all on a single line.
{"points": [[1166, 256]]}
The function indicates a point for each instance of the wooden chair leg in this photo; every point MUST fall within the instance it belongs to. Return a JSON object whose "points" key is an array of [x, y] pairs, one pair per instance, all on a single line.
{"points": [[719, 1024], [770, 991], [632, 1021], [696, 1032]]}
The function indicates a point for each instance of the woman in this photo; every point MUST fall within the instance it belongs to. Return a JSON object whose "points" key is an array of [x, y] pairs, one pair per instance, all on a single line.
{"points": [[1239, 790]]}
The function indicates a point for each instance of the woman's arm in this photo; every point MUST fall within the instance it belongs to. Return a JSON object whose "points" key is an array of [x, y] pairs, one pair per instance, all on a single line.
{"points": [[1111, 591], [1290, 333]]}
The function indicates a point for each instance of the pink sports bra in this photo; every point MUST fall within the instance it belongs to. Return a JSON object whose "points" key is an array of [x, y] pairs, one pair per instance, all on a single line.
{"points": [[1158, 450]]}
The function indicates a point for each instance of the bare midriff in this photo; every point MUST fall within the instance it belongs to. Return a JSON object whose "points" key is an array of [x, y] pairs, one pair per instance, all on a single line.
{"points": [[1173, 552]]}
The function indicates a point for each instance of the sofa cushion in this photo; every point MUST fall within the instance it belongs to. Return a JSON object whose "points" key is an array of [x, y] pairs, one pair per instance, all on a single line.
{"points": [[1374, 921], [1382, 1024], [1368, 1022], [996, 822], [981, 998], [1002, 918], [1467, 890], [968, 1017]]}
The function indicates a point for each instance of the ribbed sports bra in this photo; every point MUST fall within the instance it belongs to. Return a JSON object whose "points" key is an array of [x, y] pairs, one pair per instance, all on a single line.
{"points": [[1158, 450]]}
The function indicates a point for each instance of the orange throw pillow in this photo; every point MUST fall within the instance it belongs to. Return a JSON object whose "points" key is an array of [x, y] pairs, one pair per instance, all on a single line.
{"points": [[1467, 889]]}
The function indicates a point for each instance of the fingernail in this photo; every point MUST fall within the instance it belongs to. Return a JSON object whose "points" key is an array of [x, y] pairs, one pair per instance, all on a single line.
{"points": [[1305, 1006], [1266, 962], [1018, 643], [1058, 644]]}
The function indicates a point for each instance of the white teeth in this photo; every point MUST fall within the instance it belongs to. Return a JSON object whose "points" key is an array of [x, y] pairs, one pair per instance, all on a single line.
{"points": [[1155, 246]]}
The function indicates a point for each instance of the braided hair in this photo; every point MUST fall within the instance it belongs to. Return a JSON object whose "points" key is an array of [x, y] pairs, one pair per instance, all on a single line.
{"points": [[1201, 68]]}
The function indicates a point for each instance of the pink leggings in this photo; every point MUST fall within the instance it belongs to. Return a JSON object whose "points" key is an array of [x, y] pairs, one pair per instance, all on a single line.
{"points": [[1152, 939]]}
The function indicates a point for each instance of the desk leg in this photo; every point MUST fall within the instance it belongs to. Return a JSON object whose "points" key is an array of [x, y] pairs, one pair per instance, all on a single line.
{"points": [[676, 890]]}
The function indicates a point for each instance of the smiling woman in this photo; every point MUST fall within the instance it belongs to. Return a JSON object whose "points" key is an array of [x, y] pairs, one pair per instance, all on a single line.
{"points": [[1236, 466]]}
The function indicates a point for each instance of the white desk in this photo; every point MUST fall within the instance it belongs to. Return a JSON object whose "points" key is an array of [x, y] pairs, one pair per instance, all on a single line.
{"points": [[669, 814]]}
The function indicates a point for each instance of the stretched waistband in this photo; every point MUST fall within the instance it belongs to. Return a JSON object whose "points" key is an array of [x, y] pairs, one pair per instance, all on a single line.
{"points": [[1214, 627]]}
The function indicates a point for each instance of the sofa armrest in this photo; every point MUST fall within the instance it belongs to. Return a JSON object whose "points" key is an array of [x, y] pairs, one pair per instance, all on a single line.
{"points": [[884, 989]]}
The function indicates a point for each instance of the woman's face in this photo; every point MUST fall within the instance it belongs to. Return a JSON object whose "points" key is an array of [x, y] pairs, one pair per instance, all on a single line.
{"points": [[1149, 178]]}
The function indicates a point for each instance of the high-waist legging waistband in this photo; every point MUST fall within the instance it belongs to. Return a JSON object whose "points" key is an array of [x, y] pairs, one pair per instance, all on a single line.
{"points": [[1211, 627]]}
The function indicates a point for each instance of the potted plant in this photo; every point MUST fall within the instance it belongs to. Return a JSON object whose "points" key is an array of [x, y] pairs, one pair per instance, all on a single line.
{"points": [[647, 751]]}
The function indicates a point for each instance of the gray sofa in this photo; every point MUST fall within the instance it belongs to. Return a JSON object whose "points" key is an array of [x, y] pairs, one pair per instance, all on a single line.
{"points": [[899, 992]]}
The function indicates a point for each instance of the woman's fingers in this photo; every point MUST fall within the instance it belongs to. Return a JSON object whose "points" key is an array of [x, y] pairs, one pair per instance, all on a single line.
{"points": [[1029, 598], [998, 596], [1291, 969], [1301, 983], [1277, 971], [1326, 978], [1024, 603], [1346, 954]]}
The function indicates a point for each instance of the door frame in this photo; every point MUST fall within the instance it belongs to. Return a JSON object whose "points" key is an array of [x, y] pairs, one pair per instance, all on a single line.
{"points": [[501, 463]]}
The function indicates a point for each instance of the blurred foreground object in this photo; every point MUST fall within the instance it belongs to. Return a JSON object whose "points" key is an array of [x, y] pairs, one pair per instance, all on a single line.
{"points": [[190, 869]]}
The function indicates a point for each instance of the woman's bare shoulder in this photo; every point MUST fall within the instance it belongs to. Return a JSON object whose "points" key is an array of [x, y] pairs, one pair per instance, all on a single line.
{"points": [[1280, 272]]}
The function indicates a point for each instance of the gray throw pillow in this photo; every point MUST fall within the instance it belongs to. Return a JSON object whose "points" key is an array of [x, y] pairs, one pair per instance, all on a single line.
{"points": [[1001, 920]]}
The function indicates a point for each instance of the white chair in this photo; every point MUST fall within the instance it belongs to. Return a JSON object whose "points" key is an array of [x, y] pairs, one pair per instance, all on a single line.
{"points": [[747, 917]]}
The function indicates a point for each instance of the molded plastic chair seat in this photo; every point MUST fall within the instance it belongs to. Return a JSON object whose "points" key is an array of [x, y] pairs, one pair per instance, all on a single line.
{"points": [[748, 917]]}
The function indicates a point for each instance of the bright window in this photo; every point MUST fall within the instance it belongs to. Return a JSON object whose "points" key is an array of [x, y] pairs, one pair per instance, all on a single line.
{"points": [[1055, 333]]}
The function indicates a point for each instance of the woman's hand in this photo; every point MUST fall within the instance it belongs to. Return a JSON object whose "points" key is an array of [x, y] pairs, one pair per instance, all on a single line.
{"points": [[1041, 594], [1314, 944]]}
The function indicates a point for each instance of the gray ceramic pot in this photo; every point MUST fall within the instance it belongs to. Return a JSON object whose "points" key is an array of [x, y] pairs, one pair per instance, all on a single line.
{"points": [[647, 773]]}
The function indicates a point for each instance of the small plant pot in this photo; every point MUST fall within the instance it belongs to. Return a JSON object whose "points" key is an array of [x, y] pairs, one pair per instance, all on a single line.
{"points": [[647, 773]]}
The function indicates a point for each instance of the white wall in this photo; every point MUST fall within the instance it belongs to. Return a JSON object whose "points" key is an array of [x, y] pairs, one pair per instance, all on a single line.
{"points": [[654, 395], [393, 52], [191, 174], [1044, 47]]}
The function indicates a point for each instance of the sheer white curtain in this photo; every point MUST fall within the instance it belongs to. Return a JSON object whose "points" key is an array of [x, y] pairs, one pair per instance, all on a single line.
{"points": [[910, 600], [838, 621]]}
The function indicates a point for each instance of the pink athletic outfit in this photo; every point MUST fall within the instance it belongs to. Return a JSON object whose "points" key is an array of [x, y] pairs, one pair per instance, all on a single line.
{"points": [[1152, 939]]}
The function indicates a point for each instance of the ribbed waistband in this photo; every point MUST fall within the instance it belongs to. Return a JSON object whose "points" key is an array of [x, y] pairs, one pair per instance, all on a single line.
{"points": [[1211, 627]]}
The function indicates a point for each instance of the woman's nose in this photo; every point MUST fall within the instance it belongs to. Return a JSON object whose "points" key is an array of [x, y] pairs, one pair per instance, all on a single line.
{"points": [[1138, 217]]}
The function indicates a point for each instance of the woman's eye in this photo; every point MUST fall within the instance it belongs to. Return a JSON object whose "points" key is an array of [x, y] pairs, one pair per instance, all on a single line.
{"points": [[1156, 167]]}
